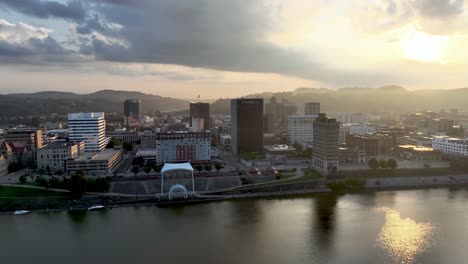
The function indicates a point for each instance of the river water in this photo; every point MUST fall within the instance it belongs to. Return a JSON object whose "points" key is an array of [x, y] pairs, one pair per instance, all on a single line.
{"points": [[414, 226]]}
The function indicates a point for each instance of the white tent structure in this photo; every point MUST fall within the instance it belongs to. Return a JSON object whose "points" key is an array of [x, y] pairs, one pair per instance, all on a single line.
{"points": [[176, 166]]}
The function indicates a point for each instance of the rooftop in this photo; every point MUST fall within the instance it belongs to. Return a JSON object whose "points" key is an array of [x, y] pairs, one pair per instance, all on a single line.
{"points": [[416, 148], [103, 155]]}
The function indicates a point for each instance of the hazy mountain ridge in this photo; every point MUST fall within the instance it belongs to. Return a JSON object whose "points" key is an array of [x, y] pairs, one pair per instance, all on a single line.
{"points": [[43, 103], [358, 99], [353, 99]]}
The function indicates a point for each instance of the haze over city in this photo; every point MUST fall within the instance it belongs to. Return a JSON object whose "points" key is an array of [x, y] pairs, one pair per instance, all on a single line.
{"points": [[230, 48], [233, 131]]}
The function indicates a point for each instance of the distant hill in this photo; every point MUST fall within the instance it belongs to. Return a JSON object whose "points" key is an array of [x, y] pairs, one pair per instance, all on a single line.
{"points": [[352, 99], [357, 99], [110, 101]]}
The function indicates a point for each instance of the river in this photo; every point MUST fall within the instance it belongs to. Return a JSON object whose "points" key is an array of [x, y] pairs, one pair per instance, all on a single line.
{"points": [[412, 226]]}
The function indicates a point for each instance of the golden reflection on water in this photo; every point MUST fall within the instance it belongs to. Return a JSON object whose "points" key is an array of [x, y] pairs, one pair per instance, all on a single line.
{"points": [[403, 239]]}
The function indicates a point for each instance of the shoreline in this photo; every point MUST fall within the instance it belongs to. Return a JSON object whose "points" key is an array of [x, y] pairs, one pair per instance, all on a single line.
{"points": [[384, 184]]}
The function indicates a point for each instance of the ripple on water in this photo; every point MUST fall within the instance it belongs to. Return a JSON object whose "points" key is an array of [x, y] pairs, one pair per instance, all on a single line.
{"points": [[404, 239]]}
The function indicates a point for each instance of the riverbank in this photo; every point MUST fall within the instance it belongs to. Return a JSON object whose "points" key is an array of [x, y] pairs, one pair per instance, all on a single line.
{"points": [[46, 204]]}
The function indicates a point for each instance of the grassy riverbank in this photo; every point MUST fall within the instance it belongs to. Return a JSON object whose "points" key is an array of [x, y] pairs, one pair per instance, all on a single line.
{"points": [[23, 192]]}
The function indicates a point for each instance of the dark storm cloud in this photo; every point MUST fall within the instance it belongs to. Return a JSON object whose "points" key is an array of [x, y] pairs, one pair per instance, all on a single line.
{"points": [[34, 51], [439, 8], [73, 10], [221, 35]]}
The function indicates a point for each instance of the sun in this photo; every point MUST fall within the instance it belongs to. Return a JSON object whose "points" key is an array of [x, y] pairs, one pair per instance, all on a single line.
{"points": [[424, 47]]}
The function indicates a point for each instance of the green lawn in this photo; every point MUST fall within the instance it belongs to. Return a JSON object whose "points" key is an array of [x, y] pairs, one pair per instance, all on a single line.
{"points": [[309, 175], [13, 191]]}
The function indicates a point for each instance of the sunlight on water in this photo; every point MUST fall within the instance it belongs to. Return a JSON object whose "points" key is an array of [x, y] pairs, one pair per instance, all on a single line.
{"points": [[403, 239]]}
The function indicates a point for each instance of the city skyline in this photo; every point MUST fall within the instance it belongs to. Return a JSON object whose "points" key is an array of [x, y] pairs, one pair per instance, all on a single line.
{"points": [[186, 50]]}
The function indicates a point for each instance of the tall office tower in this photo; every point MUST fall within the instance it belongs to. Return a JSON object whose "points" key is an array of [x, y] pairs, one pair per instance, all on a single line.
{"points": [[268, 123], [312, 109], [88, 127], [300, 129], [246, 125], [132, 107], [325, 145], [200, 110]]}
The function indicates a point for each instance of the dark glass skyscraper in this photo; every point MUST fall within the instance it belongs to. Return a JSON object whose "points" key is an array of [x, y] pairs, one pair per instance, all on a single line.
{"points": [[200, 110], [246, 125], [132, 107]]}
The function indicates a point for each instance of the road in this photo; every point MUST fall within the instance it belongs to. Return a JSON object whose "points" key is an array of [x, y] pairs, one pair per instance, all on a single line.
{"points": [[14, 177], [128, 160]]}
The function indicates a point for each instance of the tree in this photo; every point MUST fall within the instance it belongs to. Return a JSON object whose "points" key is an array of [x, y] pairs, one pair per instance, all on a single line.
{"points": [[392, 164], [77, 185], [199, 167], [157, 168], [218, 167], [147, 169], [42, 182], [22, 179], [373, 164], [208, 167], [127, 146], [383, 164], [138, 161], [135, 170]]}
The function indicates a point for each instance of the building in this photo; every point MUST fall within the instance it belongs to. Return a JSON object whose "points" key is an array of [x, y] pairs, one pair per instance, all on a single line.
{"points": [[187, 146], [450, 146], [268, 123], [17, 151], [123, 135], [300, 129], [370, 145], [197, 124], [53, 156], [312, 109], [104, 162], [325, 145], [287, 110], [148, 155], [274, 109], [412, 152], [3, 166], [360, 129], [132, 107], [88, 127], [29, 136], [147, 139], [246, 125], [200, 110]]}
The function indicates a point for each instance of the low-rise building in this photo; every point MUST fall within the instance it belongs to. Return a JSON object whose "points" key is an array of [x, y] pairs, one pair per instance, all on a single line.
{"points": [[186, 146], [412, 152], [54, 155], [104, 162], [123, 135], [450, 146]]}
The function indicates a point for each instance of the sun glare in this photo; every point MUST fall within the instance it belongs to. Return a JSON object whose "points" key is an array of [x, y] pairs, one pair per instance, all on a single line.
{"points": [[424, 47]]}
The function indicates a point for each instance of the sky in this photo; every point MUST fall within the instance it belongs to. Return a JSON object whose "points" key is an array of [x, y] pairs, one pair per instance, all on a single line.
{"points": [[228, 48]]}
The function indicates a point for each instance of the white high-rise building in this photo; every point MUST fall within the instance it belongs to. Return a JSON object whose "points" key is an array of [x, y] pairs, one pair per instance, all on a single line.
{"points": [[300, 129], [88, 127]]}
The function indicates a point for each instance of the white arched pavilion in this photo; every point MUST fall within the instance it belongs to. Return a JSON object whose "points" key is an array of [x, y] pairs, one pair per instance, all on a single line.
{"points": [[176, 166]]}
